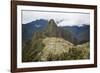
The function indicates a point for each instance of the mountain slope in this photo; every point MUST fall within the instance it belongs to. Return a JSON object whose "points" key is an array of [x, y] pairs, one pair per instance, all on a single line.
{"points": [[81, 34], [74, 34], [55, 49], [29, 28], [52, 30], [54, 43]]}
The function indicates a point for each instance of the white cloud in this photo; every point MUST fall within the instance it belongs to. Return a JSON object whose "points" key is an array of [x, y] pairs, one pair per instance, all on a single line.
{"points": [[63, 18]]}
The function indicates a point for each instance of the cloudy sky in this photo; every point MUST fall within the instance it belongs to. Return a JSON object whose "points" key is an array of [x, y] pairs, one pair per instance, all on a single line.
{"points": [[64, 18]]}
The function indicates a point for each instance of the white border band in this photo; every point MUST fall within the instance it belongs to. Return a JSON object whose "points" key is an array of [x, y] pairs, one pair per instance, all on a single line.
{"points": [[53, 63]]}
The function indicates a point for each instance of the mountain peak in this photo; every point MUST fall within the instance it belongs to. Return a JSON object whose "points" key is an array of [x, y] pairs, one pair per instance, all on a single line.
{"points": [[52, 28], [51, 20], [52, 23]]}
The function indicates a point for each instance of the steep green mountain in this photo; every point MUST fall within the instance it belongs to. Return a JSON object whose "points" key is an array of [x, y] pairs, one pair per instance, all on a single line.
{"points": [[52, 30], [29, 29], [73, 34], [53, 44], [81, 34]]}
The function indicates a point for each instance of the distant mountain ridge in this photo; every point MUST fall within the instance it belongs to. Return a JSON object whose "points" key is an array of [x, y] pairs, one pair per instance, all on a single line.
{"points": [[73, 34], [29, 28], [80, 33]]}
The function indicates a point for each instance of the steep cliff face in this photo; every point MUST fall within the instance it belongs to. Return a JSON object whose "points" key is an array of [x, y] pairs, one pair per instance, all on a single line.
{"points": [[51, 29]]}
